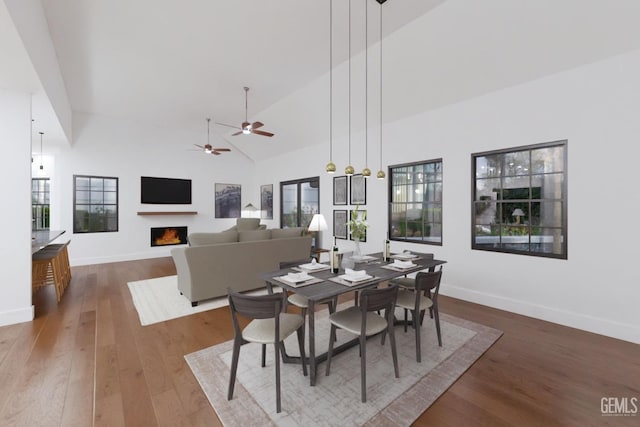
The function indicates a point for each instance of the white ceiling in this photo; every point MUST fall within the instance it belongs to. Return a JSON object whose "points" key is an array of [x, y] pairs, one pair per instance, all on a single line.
{"points": [[174, 63]]}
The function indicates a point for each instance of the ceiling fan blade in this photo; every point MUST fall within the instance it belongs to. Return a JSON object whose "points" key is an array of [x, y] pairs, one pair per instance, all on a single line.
{"points": [[199, 146], [215, 152], [229, 126], [221, 149], [261, 132], [257, 125], [237, 133]]}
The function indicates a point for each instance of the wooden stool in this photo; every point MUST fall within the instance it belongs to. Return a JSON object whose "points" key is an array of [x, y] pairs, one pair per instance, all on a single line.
{"points": [[50, 266]]}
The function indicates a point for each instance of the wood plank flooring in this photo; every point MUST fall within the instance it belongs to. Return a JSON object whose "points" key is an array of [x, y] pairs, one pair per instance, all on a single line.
{"points": [[88, 361]]}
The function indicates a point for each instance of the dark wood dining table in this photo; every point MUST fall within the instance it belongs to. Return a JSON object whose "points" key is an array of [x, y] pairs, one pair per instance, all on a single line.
{"points": [[325, 288]]}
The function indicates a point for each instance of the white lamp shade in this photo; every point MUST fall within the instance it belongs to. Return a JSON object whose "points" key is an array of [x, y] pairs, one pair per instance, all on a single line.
{"points": [[318, 223], [518, 212]]}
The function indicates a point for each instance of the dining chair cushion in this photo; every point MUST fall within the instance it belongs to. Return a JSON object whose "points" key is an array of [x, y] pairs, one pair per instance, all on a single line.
{"points": [[350, 320], [263, 330], [405, 282], [299, 301], [407, 299]]}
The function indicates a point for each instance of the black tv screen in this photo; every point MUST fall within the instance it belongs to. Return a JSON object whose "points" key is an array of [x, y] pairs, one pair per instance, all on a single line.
{"points": [[165, 191]]}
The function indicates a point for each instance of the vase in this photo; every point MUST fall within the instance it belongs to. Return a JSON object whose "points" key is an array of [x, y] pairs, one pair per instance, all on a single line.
{"points": [[356, 251]]}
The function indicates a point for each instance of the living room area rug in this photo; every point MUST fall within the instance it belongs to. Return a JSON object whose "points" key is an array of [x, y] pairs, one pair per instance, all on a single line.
{"points": [[159, 299], [336, 399]]}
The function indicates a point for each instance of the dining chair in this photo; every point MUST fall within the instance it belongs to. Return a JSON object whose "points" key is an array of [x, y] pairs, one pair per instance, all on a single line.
{"points": [[270, 324], [362, 320], [416, 296]]}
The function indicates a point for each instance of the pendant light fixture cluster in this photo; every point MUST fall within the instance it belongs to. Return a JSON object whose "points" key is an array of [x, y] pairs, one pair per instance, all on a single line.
{"points": [[350, 170]]}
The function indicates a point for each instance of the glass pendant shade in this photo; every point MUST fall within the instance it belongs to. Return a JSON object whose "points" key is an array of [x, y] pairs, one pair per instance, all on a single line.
{"points": [[366, 172], [349, 170], [380, 174], [331, 167]]}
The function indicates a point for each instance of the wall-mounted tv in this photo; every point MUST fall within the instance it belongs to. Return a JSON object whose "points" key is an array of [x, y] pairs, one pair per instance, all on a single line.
{"points": [[165, 191]]}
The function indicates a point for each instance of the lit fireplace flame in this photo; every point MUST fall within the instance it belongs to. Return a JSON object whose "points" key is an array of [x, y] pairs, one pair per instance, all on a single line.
{"points": [[169, 237]]}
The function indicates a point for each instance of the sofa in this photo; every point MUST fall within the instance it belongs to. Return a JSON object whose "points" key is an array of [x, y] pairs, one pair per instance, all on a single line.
{"points": [[235, 258]]}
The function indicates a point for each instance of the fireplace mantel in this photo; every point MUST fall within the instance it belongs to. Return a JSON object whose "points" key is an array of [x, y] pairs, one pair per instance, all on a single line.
{"points": [[168, 213]]}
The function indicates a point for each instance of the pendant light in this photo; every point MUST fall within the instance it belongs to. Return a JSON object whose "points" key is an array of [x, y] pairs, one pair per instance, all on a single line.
{"points": [[349, 170], [41, 165], [380, 174], [331, 167], [366, 172]]}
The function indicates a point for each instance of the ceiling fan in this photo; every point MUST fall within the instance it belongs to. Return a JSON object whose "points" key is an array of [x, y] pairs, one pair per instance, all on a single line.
{"points": [[246, 127], [208, 148]]}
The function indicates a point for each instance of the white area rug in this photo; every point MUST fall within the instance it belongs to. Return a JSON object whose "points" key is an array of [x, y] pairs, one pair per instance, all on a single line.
{"points": [[157, 300], [336, 400]]}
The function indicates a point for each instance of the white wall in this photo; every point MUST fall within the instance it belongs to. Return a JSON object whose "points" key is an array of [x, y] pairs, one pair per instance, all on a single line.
{"points": [[595, 107], [15, 253], [127, 150]]}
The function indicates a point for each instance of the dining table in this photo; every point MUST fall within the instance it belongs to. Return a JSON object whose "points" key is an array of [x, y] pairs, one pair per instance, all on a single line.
{"points": [[325, 285]]}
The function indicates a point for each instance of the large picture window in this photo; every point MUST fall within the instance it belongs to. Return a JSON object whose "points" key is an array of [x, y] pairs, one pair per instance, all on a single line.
{"points": [[415, 209], [95, 204], [40, 188], [520, 200], [299, 200]]}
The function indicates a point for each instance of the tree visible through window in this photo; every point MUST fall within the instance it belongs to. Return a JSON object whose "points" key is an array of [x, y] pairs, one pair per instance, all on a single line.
{"points": [[415, 193], [40, 188], [520, 200], [299, 201], [95, 201]]}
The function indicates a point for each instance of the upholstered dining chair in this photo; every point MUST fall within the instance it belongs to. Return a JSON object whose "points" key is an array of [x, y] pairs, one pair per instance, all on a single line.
{"points": [[270, 325], [416, 296], [362, 320]]}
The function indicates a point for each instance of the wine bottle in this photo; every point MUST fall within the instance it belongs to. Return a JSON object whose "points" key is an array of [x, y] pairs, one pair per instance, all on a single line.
{"points": [[387, 249], [335, 261]]}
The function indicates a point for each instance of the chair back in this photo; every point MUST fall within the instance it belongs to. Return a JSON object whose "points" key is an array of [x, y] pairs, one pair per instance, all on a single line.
{"points": [[429, 284], [255, 307], [378, 299]]}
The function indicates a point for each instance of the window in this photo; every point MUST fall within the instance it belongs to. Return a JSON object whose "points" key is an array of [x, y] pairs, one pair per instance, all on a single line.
{"points": [[40, 203], [299, 200], [520, 200], [95, 202], [415, 211]]}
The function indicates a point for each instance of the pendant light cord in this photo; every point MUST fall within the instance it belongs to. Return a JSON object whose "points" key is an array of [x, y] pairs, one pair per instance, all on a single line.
{"points": [[380, 86], [349, 82], [366, 83], [331, 80]]}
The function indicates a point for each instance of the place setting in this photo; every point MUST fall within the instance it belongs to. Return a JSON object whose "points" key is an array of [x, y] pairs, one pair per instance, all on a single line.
{"points": [[353, 277], [400, 265]]}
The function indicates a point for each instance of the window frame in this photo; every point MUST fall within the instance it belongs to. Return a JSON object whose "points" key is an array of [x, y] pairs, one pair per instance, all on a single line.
{"points": [[298, 183], [76, 229], [532, 202], [439, 202]]}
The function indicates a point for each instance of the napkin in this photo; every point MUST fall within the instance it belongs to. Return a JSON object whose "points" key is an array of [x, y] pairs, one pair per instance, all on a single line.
{"points": [[403, 264], [356, 274], [297, 277]]}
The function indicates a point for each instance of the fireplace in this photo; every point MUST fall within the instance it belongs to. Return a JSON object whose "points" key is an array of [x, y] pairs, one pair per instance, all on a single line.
{"points": [[165, 236]]}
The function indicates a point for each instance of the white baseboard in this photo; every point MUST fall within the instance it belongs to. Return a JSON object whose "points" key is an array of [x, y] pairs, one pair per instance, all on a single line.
{"points": [[598, 325], [17, 316]]}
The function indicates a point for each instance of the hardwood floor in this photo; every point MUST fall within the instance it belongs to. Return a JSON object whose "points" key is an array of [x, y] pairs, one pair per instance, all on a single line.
{"points": [[88, 361]]}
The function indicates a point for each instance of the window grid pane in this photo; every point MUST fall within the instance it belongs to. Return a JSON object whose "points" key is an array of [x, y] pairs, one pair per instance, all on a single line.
{"points": [[95, 204]]}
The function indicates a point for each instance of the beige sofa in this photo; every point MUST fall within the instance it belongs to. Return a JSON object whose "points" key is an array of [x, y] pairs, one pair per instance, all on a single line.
{"points": [[234, 259]]}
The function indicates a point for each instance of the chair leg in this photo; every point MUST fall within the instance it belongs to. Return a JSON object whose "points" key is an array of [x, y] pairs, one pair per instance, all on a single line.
{"points": [[234, 367], [264, 355], [394, 352], [277, 352], [405, 320], [417, 327], [436, 316], [300, 333], [363, 367], [330, 351]]}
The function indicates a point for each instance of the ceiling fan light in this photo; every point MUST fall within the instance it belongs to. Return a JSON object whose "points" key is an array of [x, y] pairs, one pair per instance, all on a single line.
{"points": [[246, 130], [349, 170], [366, 172], [331, 167], [380, 174]]}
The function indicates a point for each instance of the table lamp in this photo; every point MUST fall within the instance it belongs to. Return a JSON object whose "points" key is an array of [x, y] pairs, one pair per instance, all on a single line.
{"points": [[317, 224], [518, 213], [250, 211]]}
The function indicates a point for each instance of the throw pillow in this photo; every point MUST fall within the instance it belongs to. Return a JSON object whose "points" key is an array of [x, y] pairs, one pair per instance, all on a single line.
{"points": [[286, 233], [250, 236], [245, 224]]}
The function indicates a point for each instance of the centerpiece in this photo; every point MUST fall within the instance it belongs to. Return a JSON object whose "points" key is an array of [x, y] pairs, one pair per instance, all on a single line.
{"points": [[358, 228]]}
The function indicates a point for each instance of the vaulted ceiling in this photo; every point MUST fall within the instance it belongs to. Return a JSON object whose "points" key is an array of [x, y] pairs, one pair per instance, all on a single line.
{"points": [[175, 63]]}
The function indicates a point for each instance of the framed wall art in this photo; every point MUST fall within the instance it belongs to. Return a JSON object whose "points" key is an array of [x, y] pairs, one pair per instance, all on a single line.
{"points": [[340, 190], [266, 201], [358, 193], [227, 200], [340, 224]]}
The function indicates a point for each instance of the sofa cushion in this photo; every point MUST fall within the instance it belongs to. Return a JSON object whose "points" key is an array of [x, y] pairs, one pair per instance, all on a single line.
{"points": [[250, 236], [200, 239], [245, 224], [286, 233]]}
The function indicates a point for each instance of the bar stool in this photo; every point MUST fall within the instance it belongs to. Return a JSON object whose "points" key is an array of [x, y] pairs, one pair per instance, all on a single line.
{"points": [[50, 266]]}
